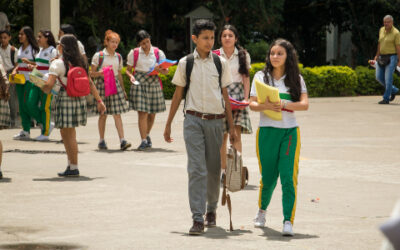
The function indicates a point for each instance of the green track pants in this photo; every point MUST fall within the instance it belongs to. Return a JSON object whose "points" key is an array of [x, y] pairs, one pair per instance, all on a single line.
{"points": [[23, 91], [40, 114], [278, 151]]}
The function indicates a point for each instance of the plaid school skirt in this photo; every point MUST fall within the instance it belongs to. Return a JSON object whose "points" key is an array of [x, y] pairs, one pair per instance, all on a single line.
{"points": [[147, 96], [115, 104], [70, 112], [4, 114], [240, 117]]}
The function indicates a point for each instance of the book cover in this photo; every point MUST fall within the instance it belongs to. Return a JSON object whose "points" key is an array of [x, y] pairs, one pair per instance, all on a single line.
{"points": [[164, 64]]}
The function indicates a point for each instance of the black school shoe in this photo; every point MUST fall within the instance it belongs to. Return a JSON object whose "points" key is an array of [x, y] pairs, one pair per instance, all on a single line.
{"points": [[211, 219], [149, 143], [392, 96], [1, 175], [197, 228], [125, 145], [383, 102], [69, 173]]}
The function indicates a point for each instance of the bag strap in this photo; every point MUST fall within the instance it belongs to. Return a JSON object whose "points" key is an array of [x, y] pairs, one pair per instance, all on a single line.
{"points": [[189, 68], [226, 198], [64, 86], [119, 58], [101, 59], [218, 65], [12, 54]]}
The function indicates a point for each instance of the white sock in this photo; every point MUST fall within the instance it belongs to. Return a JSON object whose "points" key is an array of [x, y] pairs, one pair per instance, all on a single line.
{"points": [[0, 168], [73, 166], [101, 140], [121, 140], [145, 140], [262, 211]]}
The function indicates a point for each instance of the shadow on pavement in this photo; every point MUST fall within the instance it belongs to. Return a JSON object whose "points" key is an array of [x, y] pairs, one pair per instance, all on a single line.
{"points": [[110, 151], [251, 187], [5, 180], [72, 179], [154, 150], [217, 233], [23, 151], [272, 234], [40, 246]]}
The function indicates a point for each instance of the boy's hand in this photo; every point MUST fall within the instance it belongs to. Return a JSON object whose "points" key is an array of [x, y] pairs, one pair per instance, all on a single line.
{"points": [[167, 134]]}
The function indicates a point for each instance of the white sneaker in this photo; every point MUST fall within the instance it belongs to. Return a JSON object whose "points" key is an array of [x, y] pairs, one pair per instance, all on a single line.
{"points": [[287, 229], [42, 138], [259, 221], [51, 127], [23, 135]]}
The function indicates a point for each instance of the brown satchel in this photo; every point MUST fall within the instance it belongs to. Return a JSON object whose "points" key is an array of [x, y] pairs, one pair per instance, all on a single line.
{"points": [[236, 178]]}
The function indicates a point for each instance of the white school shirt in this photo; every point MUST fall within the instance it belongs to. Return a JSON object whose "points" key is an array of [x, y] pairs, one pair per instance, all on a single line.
{"points": [[44, 57], [108, 60], [234, 64], [204, 93], [145, 62], [23, 67], [6, 55], [288, 118], [81, 48], [57, 68], [3, 72]]}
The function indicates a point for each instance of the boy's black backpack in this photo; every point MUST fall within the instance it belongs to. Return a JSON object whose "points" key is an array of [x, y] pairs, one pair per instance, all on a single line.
{"points": [[189, 68]]}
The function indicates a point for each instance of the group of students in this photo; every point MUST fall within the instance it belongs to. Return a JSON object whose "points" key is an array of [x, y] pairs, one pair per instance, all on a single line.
{"points": [[205, 79]]}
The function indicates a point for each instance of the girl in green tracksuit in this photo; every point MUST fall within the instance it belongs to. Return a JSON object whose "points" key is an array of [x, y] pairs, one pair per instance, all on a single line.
{"points": [[278, 142]]}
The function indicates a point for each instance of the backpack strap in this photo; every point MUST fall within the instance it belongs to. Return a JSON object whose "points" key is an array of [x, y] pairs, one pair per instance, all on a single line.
{"points": [[101, 59], [189, 68], [12, 54], [119, 58], [135, 56]]}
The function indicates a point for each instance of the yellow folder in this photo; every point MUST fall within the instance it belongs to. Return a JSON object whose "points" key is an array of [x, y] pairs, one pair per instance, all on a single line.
{"points": [[263, 90], [18, 79]]}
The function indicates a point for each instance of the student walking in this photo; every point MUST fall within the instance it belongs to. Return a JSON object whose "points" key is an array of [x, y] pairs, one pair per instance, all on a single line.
{"points": [[207, 103], [146, 96], [70, 111], [239, 89], [10, 58], [26, 56], [37, 97], [278, 142], [116, 104]]}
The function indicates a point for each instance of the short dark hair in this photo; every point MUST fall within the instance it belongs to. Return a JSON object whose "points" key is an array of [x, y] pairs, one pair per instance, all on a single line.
{"points": [[67, 29], [5, 31], [141, 35], [202, 24]]}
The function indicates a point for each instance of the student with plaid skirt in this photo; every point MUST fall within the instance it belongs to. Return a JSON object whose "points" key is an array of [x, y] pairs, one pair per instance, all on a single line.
{"points": [[70, 112], [146, 96], [239, 63], [4, 109], [116, 104]]}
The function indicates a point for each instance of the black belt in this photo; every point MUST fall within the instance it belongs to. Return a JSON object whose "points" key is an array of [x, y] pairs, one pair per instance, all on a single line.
{"points": [[205, 116]]}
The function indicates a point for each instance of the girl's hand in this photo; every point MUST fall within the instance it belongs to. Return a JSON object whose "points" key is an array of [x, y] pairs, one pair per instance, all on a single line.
{"points": [[274, 106], [132, 79], [101, 107], [126, 96], [14, 72], [25, 60], [31, 66]]}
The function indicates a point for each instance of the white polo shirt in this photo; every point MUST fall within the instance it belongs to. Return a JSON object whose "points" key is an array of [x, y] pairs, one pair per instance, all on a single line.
{"points": [[108, 60], [234, 64], [30, 55], [288, 118], [6, 55], [204, 93], [145, 62], [44, 57], [57, 68]]}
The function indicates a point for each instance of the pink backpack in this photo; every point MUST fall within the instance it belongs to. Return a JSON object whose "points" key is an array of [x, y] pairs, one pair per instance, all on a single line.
{"points": [[136, 58], [77, 82], [110, 86]]}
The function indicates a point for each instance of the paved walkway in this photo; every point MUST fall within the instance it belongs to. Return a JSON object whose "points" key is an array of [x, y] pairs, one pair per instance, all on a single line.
{"points": [[138, 200]]}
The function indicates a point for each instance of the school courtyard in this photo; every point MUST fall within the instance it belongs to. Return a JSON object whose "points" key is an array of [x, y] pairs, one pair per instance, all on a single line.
{"points": [[349, 182]]}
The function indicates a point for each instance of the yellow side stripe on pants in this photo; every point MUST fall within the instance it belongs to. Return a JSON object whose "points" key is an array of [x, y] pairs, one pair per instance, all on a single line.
{"points": [[295, 173], [47, 110], [259, 166]]}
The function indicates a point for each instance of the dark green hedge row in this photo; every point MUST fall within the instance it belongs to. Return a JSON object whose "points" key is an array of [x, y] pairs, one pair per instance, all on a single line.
{"points": [[321, 81]]}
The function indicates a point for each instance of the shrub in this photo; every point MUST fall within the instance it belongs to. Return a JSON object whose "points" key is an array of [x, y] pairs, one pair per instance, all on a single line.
{"points": [[258, 51], [367, 84]]}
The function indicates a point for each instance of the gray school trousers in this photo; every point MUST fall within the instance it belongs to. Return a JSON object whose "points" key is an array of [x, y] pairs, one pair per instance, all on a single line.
{"points": [[203, 140]]}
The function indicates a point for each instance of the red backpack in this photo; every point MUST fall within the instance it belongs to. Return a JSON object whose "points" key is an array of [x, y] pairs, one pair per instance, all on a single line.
{"points": [[77, 82]]}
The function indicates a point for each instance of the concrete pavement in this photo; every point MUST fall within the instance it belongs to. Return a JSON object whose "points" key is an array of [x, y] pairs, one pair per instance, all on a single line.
{"points": [[138, 200]]}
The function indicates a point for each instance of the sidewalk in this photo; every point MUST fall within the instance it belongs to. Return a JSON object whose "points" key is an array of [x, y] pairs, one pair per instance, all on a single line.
{"points": [[138, 200]]}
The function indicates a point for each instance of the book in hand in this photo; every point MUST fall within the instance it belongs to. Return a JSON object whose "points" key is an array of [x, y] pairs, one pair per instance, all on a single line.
{"points": [[235, 104], [263, 91], [164, 64], [36, 77]]}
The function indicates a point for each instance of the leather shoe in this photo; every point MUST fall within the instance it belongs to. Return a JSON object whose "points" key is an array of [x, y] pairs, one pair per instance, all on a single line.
{"points": [[383, 102], [211, 219], [69, 173], [197, 228]]}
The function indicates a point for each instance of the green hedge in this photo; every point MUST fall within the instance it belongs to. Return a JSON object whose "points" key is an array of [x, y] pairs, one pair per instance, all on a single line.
{"points": [[321, 81]]}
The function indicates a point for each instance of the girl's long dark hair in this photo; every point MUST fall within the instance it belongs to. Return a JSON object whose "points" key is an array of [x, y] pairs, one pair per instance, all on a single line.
{"points": [[243, 70], [71, 54], [292, 71], [50, 38], [31, 38]]}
